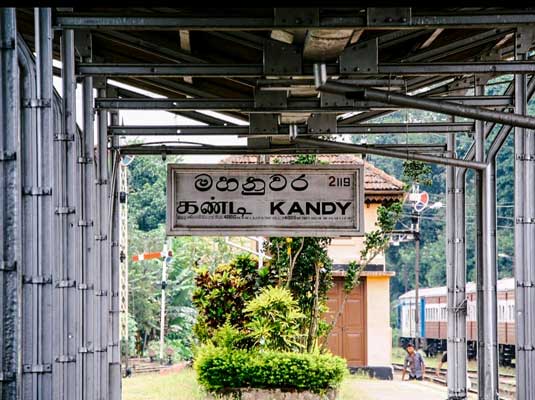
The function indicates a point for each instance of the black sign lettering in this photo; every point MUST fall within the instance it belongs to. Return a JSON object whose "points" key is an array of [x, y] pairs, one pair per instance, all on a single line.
{"points": [[295, 209], [254, 187], [343, 207], [276, 207], [203, 182], [328, 208], [300, 183], [225, 184], [278, 182]]}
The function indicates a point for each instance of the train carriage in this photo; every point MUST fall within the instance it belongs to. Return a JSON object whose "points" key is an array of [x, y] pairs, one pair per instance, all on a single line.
{"points": [[432, 330]]}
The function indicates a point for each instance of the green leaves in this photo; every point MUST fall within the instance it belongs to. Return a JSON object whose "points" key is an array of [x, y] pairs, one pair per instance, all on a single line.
{"points": [[417, 172], [220, 297], [274, 320], [221, 368]]}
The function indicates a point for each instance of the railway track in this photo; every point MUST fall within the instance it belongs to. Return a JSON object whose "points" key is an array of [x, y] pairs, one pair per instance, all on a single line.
{"points": [[507, 384]]}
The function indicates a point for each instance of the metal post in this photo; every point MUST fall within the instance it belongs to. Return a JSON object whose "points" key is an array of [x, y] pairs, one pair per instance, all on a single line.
{"points": [[38, 269], [524, 262], [9, 206], [479, 145], [416, 232], [65, 295], [114, 337], [490, 325], [86, 262], [456, 293], [102, 272], [162, 308], [123, 250]]}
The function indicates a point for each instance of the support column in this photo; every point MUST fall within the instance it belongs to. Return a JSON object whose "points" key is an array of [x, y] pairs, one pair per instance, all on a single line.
{"points": [[114, 340], [456, 277], [102, 271], [86, 262], [524, 265], [66, 189], [486, 301], [37, 217], [489, 271], [9, 205]]}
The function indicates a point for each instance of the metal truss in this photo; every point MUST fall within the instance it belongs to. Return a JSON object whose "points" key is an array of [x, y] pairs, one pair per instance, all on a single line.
{"points": [[258, 70], [283, 104], [61, 194], [284, 130], [372, 18]]}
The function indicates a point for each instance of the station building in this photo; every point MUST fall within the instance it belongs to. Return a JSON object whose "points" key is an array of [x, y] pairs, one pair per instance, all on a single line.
{"points": [[363, 335]]}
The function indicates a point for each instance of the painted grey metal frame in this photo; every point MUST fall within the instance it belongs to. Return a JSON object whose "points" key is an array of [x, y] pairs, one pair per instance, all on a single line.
{"points": [[54, 184], [10, 257]]}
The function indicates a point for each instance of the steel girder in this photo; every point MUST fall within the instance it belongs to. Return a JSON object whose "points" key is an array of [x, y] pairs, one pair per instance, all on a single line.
{"points": [[286, 104], [258, 70], [283, 130], [311, 19]]}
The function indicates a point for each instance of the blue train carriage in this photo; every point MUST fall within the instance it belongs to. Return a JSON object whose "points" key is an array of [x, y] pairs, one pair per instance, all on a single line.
{"points": [[434, 314]]}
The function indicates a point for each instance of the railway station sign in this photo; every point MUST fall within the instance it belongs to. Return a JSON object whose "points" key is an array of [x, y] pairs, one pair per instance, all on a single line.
{"points": [[265, 200]]}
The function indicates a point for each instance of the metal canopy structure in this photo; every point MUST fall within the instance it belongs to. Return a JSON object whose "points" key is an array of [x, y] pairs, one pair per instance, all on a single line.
{"points": [[302, 79]]}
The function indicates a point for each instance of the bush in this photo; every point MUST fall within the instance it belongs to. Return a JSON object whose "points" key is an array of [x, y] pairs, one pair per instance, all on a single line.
{"points": [[220, 368], [274, 320], [221, 296]]}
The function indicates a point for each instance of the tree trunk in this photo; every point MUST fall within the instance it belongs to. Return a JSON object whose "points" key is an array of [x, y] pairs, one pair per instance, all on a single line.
{"points": [[314, 319]]}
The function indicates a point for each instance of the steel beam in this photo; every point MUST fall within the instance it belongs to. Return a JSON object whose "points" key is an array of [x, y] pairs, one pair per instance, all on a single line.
{"points": [[65, 166], [85, 279], [459, 389], [488, 388], [102, 251], [307, 104], [37, 220], [390, 153], [10, 206], [343, 20], [456, 343], [389, 128], [524, 262], [257, 70], [113, 314], [450, 109]]}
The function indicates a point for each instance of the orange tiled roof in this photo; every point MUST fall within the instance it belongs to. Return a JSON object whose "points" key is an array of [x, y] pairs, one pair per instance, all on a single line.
{"points": [[377, 183]]}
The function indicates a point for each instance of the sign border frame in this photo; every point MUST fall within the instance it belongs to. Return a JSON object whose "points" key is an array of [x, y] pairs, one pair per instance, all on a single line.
{"points": [[356, 169]]}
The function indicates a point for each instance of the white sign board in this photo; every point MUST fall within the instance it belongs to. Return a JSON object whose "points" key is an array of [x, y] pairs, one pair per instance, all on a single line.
{"points": [[265, 200]]}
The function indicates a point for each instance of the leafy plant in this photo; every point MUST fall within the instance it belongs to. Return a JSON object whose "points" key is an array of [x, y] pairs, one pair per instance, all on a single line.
{"points": [[229, 337], [274, 320], [220, 368], [220, 297], [417, 172]]}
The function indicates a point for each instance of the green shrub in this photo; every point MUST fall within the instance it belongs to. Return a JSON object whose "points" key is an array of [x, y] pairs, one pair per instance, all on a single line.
{"points": [[220, 297], [274, 320], [230, 338], [220, 368]]}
